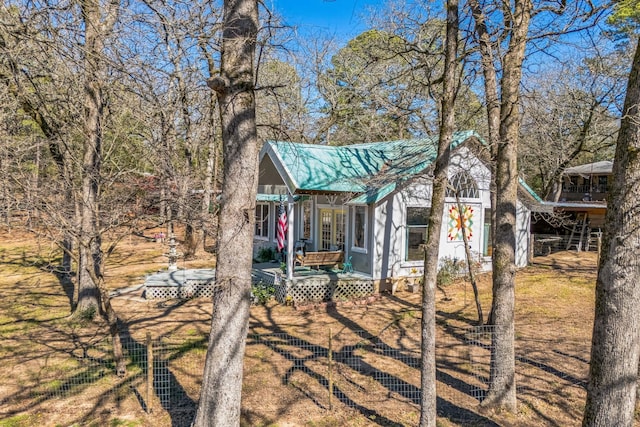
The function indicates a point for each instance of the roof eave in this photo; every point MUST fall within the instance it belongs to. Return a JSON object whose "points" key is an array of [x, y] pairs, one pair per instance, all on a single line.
{"points": [[269, 150]]}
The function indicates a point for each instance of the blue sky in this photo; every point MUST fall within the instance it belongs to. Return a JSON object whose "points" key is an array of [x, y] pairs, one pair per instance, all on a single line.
{"points": [[339, 17]]}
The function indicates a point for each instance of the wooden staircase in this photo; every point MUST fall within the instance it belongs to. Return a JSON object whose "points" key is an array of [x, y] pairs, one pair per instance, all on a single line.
{"points": [[579, 234]]}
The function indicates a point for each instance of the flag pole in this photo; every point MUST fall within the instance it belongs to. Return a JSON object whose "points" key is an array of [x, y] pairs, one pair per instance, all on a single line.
{"points": [[290, 248], [281, 230]]}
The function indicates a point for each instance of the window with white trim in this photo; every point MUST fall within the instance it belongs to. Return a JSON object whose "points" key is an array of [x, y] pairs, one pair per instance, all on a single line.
{"points": [[417, 221], [463, 185], [305, 233], [262, 221], [486, 233], [359, 227]]}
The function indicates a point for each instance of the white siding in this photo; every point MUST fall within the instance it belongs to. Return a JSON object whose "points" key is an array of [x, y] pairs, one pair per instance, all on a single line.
{"points": [[389, 228]]}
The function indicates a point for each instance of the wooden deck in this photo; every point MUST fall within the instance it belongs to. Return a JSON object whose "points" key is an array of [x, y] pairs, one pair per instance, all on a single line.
{"points": [[187, 283], [308, 285]]}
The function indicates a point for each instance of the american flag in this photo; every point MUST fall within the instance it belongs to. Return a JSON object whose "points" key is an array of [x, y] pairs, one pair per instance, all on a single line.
{"points": [[282, 227]]}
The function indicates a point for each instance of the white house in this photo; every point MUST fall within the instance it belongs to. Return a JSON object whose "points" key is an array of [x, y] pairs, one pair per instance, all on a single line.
{"points": [[371, 201]]}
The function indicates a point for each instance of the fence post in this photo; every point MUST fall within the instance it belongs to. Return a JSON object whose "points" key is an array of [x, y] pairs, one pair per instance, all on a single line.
{"points": [[330, 372], [149, 372], [532, 246]]}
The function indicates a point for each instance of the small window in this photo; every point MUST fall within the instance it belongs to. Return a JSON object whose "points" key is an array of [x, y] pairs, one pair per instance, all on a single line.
{"points": [[463, 185], [417, 221], [262, 221], [487, 249], [360, 227], [306, 220]]}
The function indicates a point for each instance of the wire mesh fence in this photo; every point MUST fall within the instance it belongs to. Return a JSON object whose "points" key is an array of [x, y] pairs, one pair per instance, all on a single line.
{"points": [[374, 374]]}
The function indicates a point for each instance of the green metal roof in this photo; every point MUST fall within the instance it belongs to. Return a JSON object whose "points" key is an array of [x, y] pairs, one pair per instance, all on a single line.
{"points": [[369, 171], [530, 191]]}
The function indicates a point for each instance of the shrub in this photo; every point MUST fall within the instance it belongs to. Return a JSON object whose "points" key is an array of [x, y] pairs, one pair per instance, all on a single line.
{"points": [[450, 269], [262, 292], [266, 254], [88, 314]]}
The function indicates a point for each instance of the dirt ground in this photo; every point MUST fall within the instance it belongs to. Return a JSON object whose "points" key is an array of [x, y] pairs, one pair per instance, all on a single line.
{"points": [[286, 386]]}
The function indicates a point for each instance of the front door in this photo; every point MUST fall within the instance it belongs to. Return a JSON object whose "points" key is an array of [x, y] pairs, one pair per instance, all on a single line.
{"points": [[332, 228]]}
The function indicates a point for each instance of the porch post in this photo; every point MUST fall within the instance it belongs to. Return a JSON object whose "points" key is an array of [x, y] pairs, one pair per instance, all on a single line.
{"points": [[290, 231]]}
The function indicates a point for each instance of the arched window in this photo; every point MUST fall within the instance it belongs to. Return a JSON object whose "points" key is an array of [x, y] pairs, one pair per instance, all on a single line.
{"points": [[464, 185]]}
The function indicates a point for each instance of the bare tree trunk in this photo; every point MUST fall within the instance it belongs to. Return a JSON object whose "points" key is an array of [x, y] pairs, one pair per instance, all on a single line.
{"points": [[502, 389], [209, 183], [470, 269], [88, 293], [98, 22], [615, 346], [33, 209], [211, 174], [74, 241], [192, 237], [222, 384], [208, 189], [428, 398], [114, 328], [502, 380], [6, 196], [493, 108]]}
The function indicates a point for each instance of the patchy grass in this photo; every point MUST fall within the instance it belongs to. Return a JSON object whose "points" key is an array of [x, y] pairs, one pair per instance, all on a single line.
{"points": [[21, 421], [39, 343]]}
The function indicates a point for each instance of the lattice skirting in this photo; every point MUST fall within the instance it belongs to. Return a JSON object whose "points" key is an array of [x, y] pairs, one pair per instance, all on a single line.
{"points": [[199, 288], [281, 293], [258, 276], [191, 289], [318, 290], [274, 279], [300, 291]]}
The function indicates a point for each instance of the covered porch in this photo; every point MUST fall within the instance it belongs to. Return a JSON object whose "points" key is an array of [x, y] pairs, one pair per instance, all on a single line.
{"points": [[304, 205]]}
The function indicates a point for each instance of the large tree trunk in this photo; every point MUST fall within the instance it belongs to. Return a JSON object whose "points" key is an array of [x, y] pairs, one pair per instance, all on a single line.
{"points": [[92, 294], [89, 245], [502, 386], [502, 390], [615, 347], [222, 384], [490, 74], [432, 250]]}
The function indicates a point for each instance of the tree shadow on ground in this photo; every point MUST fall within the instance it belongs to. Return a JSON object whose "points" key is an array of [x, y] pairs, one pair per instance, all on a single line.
{"points": [[527, 359], [570, 262], [348, 355], [52, 266], [167, 389]]}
